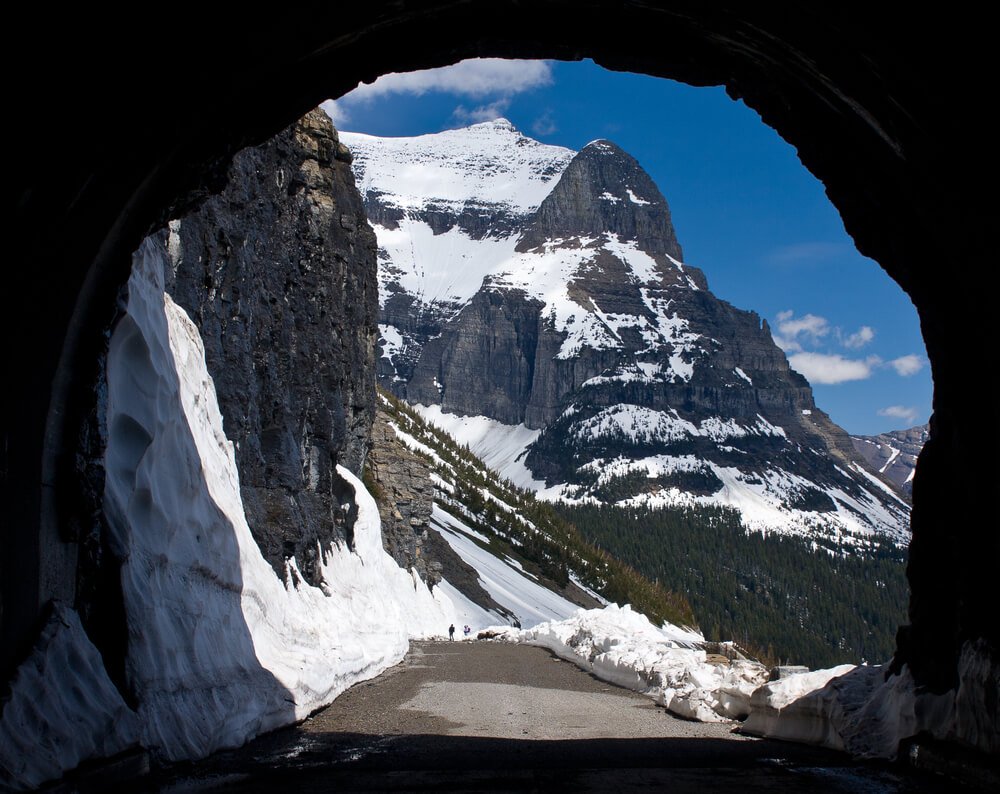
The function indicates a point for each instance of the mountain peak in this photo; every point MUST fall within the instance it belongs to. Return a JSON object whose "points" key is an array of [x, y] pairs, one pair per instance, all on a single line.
{"points": [[603, 146], [605, 190], [499, 124]]}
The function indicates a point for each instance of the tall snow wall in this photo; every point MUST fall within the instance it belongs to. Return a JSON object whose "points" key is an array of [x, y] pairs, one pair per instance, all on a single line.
{"points": [[253, 583]]}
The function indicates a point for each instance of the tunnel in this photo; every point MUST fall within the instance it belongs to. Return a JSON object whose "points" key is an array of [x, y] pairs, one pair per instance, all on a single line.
{"points": [[119, 127]]}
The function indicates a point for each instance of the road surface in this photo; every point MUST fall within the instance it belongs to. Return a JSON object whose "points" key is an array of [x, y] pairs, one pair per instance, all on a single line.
{"points": [[485, 716]]}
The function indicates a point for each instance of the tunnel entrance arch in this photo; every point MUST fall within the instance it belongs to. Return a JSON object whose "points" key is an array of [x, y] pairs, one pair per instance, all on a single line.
{"points": [[871, 115]]}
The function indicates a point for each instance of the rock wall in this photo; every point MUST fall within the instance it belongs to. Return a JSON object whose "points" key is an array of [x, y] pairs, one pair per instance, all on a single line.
{"points": [[401, 483], [278, 273]]}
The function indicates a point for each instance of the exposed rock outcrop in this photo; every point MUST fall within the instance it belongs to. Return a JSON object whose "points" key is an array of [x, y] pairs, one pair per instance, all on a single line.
{"points": [[278, 272], [401, 483]]}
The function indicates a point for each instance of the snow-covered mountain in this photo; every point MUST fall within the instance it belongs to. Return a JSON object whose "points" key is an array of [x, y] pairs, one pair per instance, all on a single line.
{"points": [[535, 302], [894, 454]]}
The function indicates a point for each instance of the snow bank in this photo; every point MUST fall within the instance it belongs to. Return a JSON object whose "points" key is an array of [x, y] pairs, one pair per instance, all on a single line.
{"points": [[860, 710], [869, 713], [220, 649], [667, 663], [800, 708], [63, 708]]}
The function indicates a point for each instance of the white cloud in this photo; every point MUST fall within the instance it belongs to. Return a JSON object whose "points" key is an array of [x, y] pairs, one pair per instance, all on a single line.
{"points": [[859, 338], [907, 365], [829, 369], [477, 77], [493, 110], [794, 331], [900, 412], [336, 111]]}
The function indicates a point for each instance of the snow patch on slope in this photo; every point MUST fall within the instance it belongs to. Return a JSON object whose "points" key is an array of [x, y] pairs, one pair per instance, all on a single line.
{"points": [[506, 582], [501, 447], [640, 424], [446, 268], [547, 273], [490, 163], [761, 498]]}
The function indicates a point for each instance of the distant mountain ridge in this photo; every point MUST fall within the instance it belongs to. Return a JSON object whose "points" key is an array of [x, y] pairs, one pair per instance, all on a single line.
{"points": [[545, 291], [894, 454]]}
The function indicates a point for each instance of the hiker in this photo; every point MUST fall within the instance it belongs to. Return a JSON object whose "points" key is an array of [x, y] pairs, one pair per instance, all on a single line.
{"points": [[467, 630], [451, 632]]}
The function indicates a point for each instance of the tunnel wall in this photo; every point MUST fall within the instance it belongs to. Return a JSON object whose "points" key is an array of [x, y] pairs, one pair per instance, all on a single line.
{"points": [[887, 112]]}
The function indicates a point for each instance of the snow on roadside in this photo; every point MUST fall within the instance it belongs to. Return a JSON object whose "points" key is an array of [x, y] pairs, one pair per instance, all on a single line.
{"points": [[870, 713], [220, 649], [860, 710], [666, 663]]}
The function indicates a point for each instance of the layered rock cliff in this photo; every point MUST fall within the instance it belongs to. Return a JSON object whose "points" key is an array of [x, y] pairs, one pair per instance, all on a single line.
{"points": [[278, 272]]}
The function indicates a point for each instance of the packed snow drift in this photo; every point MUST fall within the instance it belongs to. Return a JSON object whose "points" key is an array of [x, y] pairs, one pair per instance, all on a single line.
{"points": [[668, 663]]}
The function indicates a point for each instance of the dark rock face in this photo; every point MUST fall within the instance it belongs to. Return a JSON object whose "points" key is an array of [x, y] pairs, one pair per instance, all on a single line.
{"points": [[604, 189], [278, 273], [894, 454], [401, 483], [490, 349]]}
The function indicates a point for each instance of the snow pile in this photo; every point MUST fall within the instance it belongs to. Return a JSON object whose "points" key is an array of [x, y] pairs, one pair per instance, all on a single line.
{"points": [[667, 663], [869, 713], [220, 649], [801, 708], [859, 710], [63, 708]]}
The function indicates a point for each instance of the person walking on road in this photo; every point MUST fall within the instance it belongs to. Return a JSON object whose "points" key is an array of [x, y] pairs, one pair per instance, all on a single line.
{"points": [[451, 632]]}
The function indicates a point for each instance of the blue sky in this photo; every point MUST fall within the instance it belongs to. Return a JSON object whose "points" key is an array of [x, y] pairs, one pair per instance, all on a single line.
{"points": [[745, 211]]}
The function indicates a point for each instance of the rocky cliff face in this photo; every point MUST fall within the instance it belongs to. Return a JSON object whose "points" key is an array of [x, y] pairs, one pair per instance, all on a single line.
{"points": [[581, 321], [894, 454], [401, 483], [278, 272]]}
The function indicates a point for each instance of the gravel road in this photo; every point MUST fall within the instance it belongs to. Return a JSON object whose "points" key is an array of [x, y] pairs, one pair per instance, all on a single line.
{"points": [[484, 716], [504, 691]]}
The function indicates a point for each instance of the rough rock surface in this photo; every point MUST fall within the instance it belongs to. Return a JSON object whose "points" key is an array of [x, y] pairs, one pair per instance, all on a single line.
{"points": [[278, 272], [894, 454], [401, 483]]}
